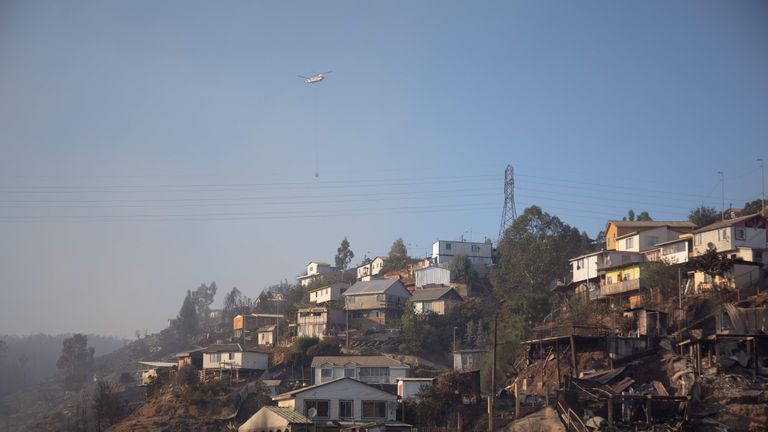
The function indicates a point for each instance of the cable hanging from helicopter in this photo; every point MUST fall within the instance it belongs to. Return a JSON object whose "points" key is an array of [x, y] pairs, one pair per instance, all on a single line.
{"points": [[314, 79]]}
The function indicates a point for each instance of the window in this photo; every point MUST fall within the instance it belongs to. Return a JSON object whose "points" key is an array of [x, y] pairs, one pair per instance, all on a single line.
{"points": [[425, 307], [322, 407], [627, 276], [697, 240], [447, 246], [757, 256], [741, 234], [215, 357], [381, 297], [346, 409], [349, 372], [625, 259], [374, 409], [231, 356], [475, 248], [374, 371], [724, 233], [610, 279], [580, 264], [629, 243], [326, 373]]}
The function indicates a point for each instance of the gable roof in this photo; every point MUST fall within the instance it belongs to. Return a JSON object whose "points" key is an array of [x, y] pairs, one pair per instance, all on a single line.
{"points": [[378, 286], [360, 360], [292, 393], [333, 285], [727, 223], [652, 224], [290, 414], [428, 294]]}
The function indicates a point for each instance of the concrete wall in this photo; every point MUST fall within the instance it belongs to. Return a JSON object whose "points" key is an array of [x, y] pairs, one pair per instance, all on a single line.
{"points": [[443, 252]]}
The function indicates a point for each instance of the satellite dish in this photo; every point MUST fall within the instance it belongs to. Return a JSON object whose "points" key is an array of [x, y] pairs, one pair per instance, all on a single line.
{"points": [[711, 245], [312, 412]]}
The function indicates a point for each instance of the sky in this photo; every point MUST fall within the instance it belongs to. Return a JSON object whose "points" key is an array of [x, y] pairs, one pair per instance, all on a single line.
{"points": [[148, 147]]}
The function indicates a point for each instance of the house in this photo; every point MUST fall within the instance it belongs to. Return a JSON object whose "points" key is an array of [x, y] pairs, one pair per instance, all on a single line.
{"points": [[235, 358], [408, 388], [435, 300], [343, 400], [675, 251], [190, 358], [245, 326], [154, 372], [468, 359], [267, 335], [434, 276], [272, 386], [375, 303], [315, 270], [327, 293], [280, 419], [320, 321], [647, 322], [479, 254], [616, 229], [621, 280], [368, 369], [588, 271], [372, 268], [745, 237]]}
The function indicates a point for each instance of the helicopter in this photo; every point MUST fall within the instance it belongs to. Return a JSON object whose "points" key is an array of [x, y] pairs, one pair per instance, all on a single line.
{"points": [[315, 78]]}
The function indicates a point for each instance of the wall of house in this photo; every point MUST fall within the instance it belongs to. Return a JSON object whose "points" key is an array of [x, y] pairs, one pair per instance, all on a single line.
{"points": [[444, 251], [584, 268], [754, 255], [675, 253], [622, 273], [338, 372], [267, 338], [244, 360], [409, 389], [433, 276], [720, 238], [346, 390], [326, 294], [753, 238], [374, 301]]}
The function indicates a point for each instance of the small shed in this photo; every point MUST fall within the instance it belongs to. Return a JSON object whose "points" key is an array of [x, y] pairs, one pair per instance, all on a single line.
{"points": [[154, 372], [267, 335], [409, 387]]}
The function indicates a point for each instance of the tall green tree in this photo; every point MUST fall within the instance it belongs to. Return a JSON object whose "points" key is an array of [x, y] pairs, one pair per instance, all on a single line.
{"points": [[398, 256], [76, 361], [203, 298], [344, 255], [703, 216], [751, 207], [462, 268], [187, 321]]}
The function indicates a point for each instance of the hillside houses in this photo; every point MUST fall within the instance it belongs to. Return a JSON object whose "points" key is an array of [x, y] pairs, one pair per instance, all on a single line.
{"points": [[375, 369], [315, 270]]}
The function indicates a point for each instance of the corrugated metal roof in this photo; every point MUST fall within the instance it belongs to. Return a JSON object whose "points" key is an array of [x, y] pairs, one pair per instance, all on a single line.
{"points": [[428, 294], [379, 360], [292, 393], [376, 286], [290, 415]]}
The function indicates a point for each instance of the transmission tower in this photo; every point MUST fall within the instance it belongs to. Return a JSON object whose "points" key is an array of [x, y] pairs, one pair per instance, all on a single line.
{"points": [[508, 213]]}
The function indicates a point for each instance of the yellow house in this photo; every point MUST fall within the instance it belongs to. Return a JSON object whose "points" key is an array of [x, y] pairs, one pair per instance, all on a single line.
{"points": [[618, 228], [621, 280]]}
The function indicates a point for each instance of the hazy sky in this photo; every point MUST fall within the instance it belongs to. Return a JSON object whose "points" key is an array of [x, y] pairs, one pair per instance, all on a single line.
{"points": [[149, 146]]}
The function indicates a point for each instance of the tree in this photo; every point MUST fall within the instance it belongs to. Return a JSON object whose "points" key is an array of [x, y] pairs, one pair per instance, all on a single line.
{"points": [[644, 216], [235, 303], [203, 298], [443, 397], [187, 323], [107, 406], [703, 216], [713, 264], [76, 361], [462, 268], [630, 215], [751, 207], [397, 258], [344, 255]]}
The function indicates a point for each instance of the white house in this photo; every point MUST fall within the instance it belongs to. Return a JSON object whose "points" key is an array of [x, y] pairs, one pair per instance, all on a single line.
{"points": [[314, 270], [435, 300], [368, 369], [272, 418], [676, 251], [342, 399], [409, 387], [745, 237], [267, 335], [641, 241], [479, 254], [234, 356], [375, 303], [327, 293], [373, 268]]}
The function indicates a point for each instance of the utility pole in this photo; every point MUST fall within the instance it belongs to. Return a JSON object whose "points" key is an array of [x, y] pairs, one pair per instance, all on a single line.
{"points": [[492, 396], [722, 194], [762, 184]]}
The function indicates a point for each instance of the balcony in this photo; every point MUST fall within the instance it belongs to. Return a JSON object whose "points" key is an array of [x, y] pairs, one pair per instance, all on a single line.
{"points": [[620, 287]]}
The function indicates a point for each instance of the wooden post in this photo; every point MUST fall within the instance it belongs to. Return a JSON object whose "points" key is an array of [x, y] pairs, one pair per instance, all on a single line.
{"points": [[557, 361], [517, 401], [490, 413], [575, 370], [610, 413], [459, 422], [546, 395], [648, 414]]}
